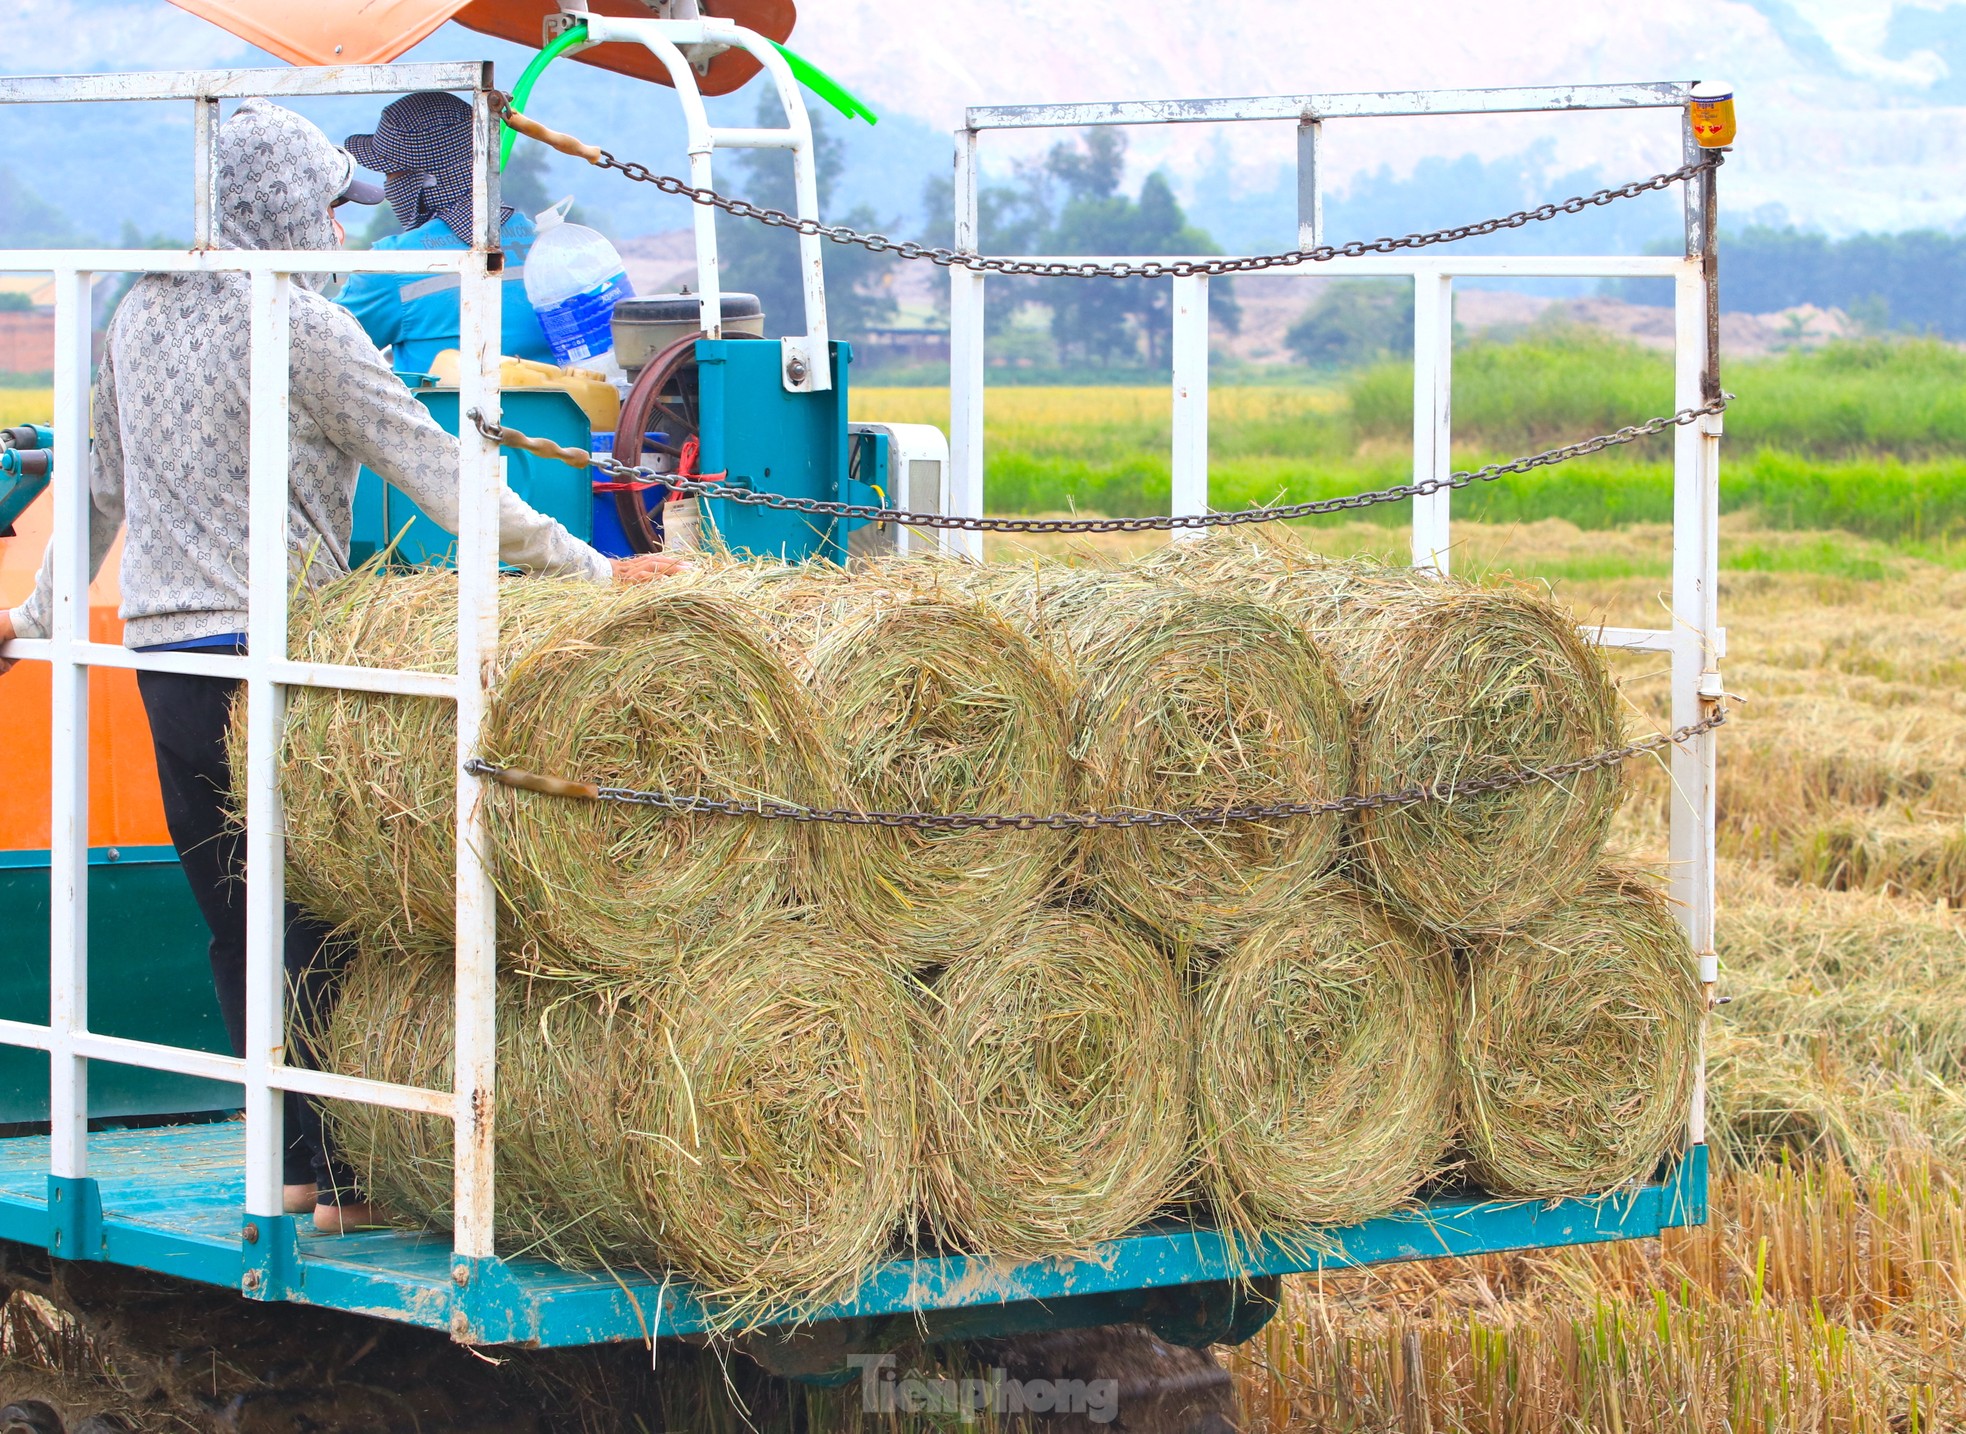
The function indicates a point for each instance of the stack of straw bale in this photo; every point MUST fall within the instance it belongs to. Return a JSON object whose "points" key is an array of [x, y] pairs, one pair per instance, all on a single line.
{"points": [[770, 1054], [1324, 1070], [748, 1119], [931, 701], [1578, 1043], [1192, 698], [1057, 1066], [651, 686]]}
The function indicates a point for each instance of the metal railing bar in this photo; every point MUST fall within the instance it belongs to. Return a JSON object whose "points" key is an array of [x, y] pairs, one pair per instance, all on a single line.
{"points": [[68, 749], [231, 1070], [239, 84], [245, 261], [149, 1055], [25, 1033], [326, 1085], [1364, 104], [1647, 639], [1468, 266], [289, 673]]}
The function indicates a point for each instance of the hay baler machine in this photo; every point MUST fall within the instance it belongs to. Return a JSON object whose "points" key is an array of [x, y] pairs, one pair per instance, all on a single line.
{"points": [[115, 1079]]}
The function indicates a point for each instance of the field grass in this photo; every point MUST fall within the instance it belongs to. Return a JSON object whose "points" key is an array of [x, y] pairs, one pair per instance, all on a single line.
{"points": [[1866, 437], [1828, 1291]]}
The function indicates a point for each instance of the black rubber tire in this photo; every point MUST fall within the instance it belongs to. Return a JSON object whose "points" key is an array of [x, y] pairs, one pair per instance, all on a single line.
{"points": [[31, 1416]]}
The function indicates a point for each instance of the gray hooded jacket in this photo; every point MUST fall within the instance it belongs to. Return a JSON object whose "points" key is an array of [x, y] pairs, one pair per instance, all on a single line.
{"points": [[169, 419]]}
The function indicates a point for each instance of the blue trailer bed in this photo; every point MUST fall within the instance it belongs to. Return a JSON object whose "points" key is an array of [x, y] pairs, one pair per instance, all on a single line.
{"points": [[170, 1199]]}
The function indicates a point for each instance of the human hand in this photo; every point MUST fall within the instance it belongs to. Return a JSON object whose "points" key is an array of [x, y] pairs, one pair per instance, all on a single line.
{"points": [[644, 567], [7, 635]]}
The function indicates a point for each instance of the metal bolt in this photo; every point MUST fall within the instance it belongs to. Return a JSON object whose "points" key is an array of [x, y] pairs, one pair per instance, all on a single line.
{"points": [[252, 1280], [460, 1274], [251, 1233], [795, 370]]}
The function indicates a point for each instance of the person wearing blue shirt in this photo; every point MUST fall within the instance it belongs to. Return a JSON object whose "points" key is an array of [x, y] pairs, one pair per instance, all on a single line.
{"points": [[422, 148]]}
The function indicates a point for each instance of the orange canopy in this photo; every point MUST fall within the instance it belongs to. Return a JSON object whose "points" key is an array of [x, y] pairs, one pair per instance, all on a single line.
{"points": [[371, 32]]}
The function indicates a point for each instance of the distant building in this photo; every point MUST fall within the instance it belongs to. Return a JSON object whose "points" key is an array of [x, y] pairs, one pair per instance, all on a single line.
{"points": [[27, 341], [27, 320], [896, 345], [27, 323]]}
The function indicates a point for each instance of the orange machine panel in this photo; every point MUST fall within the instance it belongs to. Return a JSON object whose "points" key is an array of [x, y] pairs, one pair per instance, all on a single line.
{"points": [[366, 32], [124, 806]]}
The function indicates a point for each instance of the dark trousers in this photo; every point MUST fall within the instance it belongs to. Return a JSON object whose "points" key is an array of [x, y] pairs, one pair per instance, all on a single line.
{"points": [[188, 717]]}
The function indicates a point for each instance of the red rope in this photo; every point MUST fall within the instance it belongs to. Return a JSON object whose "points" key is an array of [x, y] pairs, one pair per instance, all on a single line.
{"points": [[685, 468]]}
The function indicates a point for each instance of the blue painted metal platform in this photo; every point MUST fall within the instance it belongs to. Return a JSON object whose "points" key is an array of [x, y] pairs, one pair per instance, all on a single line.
{"points": [[170, 1199]]}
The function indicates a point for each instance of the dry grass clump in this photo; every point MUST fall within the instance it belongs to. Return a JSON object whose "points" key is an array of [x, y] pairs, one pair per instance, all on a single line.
{"points": [[1811, 1300], [1324, 1077], [574, 1073], [1193, 699], [1057, 1065], [932, 701], [1578, 1044], [654, 686], [747, 1121], [781, 1149], [1453, 682]]}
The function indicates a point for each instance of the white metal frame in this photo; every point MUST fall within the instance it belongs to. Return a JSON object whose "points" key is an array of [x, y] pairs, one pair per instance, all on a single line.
{"points": [[1695, 642], [266, 670], [674, 42]]}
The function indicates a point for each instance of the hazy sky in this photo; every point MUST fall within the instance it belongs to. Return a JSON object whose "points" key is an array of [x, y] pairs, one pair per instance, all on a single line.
{"points": [[1852, 114]]}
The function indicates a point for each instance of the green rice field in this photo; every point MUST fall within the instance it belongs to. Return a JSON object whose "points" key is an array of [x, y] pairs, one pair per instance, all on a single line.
{"points": [[1864, 437]]}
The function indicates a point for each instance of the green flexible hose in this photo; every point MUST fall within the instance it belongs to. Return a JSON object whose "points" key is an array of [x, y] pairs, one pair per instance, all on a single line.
{"points": [[570, 38], [803, 70], [825, 86]]}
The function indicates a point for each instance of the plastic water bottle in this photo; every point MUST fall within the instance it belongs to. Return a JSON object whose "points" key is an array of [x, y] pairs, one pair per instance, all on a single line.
{"points": [[574, 278]]}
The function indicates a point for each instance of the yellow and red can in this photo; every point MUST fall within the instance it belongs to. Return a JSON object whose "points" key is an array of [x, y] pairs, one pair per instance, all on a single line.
{"points": [[1712, 111]]}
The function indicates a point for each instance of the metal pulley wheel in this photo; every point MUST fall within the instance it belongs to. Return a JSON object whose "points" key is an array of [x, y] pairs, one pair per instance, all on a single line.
{"points": [[662, 399]]}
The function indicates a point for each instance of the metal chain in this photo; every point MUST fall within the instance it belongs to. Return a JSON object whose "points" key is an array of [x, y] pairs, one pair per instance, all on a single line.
{"points": [[1081, 821], [868, 512], [1148, 269]]}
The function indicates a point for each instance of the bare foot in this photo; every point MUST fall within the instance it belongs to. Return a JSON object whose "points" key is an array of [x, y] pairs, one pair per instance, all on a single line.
{"points": [[343, 1219], [299, 1199]]}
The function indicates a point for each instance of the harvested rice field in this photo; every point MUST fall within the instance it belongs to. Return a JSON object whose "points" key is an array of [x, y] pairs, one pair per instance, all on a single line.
{"points": [[1828, 1291]]}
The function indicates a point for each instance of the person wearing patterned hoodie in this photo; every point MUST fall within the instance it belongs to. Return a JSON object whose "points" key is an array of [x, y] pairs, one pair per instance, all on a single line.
{"points": [[168, 462]]}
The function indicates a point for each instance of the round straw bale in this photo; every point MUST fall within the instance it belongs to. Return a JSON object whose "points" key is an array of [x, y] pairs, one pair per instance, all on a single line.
{"points": [[1454, 682], [657, 687], [932, 702], [1579, 1037], [781, 1149], [1324, 1078], [573, 1071], [1057, 1066], [1192, 699]]}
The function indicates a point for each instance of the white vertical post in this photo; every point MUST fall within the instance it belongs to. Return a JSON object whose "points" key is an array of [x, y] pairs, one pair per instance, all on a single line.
{"points": [[965, 360], [479, 482], [1310, 193], [805, 185], [1188, 347], [709, 286], [1433, 379], [68, 854], [205, 221], [1695, 666], [268, 546]]}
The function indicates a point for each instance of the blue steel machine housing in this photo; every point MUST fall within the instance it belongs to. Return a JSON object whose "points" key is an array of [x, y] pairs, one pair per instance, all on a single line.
{"points": [[761, 435]]}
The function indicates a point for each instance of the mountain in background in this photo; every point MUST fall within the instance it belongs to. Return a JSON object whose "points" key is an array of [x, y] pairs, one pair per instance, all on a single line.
{"points": [[1853, 114]]}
